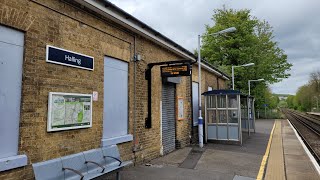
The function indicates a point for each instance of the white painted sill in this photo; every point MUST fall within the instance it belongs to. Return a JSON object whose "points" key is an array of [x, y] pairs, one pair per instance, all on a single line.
{"points": [[13, 162], [116, 140]]}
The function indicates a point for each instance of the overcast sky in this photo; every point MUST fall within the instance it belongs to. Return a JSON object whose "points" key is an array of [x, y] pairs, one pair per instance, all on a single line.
{"points": [[295, 23]]}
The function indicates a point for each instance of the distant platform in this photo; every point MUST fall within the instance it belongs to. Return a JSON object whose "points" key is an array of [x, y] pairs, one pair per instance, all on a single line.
{"points": [[314, 113]]}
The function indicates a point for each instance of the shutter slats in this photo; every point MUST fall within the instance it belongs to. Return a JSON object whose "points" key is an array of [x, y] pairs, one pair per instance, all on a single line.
{"points": [[168, 117]]}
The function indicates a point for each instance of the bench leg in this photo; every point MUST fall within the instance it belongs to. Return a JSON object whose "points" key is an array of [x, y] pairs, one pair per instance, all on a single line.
{"points": [[118, 175]]}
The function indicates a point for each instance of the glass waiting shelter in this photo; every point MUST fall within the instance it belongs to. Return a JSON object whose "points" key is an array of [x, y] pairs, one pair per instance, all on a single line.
{"points": [[229, 116]]}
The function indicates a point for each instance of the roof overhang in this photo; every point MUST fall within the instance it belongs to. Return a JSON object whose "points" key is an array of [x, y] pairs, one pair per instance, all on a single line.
{"points": [[208, 68], [117, 15]]}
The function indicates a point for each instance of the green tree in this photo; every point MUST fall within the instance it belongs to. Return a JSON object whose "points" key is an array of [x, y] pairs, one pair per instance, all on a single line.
{"points": [[291, 102], [252, 42], [308, 96]]}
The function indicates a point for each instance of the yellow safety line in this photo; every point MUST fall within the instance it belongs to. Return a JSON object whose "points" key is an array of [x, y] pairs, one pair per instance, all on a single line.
{"points": [[266, 155]]}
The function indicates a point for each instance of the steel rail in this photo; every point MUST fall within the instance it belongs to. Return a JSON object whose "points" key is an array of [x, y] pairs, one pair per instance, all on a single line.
{"points": [[291, 117]]}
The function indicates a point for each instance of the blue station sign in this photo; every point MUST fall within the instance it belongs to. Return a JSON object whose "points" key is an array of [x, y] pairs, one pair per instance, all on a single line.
{"points": [[69, 58]]}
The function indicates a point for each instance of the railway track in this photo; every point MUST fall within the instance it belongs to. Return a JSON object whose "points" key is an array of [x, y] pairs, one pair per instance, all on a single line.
{"points": [[308, 127]]}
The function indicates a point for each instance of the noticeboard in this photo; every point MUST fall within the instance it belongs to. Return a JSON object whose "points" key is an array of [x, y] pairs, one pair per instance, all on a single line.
{"points": [[175, 70], [180, 108], [69, 111]]}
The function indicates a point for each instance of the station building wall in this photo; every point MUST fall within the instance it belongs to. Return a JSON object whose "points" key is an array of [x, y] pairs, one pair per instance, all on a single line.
{"points": [[208, 80], [65, 25]]}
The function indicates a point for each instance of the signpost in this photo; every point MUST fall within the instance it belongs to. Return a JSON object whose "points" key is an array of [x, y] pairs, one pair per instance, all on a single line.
{"points": [[171, 70], [175, 70]]}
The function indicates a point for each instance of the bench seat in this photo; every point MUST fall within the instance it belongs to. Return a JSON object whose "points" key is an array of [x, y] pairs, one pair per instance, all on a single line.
{"points": [[85, 165]]}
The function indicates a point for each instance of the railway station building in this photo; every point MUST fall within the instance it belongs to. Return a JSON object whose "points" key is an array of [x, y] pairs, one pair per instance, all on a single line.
{"points": [[76, 75]]}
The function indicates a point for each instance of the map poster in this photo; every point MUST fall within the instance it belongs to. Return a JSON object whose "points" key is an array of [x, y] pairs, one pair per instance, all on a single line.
{"points": [[69, 111]]}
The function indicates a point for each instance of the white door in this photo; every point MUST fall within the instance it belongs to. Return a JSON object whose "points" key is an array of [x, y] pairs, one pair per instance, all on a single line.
{"points": [[11, 58], [115, 120]]}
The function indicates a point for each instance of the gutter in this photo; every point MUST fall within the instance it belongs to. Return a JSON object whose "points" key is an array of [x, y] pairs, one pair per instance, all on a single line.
{"points": [[116, 14], [215, 71], [110, 11]]}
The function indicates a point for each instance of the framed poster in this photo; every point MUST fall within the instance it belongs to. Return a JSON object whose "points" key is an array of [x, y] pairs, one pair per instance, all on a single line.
{"points": [[180, 108], [69, 111]]}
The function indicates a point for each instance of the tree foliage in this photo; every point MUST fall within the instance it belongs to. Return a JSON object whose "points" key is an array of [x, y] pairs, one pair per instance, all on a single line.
{"points": [[307, 97], [252, 42]]}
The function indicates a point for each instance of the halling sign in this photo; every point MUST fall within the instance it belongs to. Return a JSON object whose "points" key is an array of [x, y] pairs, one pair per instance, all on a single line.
{"points": [[69, 58], [175, 70]]}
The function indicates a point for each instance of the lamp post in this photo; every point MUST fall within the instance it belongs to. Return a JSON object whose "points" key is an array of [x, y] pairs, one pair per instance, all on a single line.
{"points": [[244, 65], [249, 104], [253, 81], [200, 119]]}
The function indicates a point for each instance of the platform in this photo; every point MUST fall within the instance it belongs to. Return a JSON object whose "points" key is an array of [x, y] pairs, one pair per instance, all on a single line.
{"points": [[286, 157], [273, 152], [314, 113], [217, 161]]}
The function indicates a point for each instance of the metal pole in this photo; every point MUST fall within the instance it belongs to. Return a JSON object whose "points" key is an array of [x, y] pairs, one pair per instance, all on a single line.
{"points": [[249, 86], [200, 120], [232, 77], [206, 118], [227, 105], [254, 115], [248, 109]]}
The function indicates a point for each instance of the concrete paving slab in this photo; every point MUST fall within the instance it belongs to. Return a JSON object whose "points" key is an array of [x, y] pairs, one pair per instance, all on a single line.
{"points": [[236, 177], [169, 173], [192, 159], [230, 162], [174, 159], [219, 161], [296, 163]]}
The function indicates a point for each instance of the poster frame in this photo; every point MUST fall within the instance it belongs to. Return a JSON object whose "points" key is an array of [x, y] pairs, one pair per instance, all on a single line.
{"points": [[180, 99], [49, 120]]}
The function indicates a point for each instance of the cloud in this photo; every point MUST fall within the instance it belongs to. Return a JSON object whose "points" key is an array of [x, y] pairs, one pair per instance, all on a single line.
{"points": [[295, 24]]}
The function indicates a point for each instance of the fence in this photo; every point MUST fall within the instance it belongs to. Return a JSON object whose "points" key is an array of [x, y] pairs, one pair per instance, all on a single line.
{"points": [[268, 114]]}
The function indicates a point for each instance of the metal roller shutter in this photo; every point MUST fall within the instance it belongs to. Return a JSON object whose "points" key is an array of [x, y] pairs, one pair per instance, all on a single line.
{"points": [[168, 117]]}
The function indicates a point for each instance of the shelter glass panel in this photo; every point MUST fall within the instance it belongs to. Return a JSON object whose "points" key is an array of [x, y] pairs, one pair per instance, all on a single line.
{"points": [[233, 116], [244, 108], [221, 100], [212, 116], [232, 101], [211, 102], [222, 116]]}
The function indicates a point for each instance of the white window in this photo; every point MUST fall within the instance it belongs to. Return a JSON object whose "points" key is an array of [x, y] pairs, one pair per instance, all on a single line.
{"points": [[11, 57], [209, 88], [115, 115], [195, 102]]}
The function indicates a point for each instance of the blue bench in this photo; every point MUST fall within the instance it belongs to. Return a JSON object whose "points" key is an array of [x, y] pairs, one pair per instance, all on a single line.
{"points": [[85, 165]]}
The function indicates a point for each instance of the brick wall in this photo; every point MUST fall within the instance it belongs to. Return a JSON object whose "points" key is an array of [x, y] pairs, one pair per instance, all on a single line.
{"points": [[61, 24], [207, 79]]}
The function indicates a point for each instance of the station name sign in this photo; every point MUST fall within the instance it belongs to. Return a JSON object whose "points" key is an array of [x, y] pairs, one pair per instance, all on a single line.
{"points": [[68, 58], [175, 70]]}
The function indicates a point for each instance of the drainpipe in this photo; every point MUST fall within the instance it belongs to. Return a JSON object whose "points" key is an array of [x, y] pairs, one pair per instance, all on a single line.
{"points": [[218, 86], [134, 98]]}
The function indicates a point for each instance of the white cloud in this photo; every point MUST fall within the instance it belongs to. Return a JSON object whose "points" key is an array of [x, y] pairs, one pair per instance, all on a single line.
{"points": [[295, 24]]}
